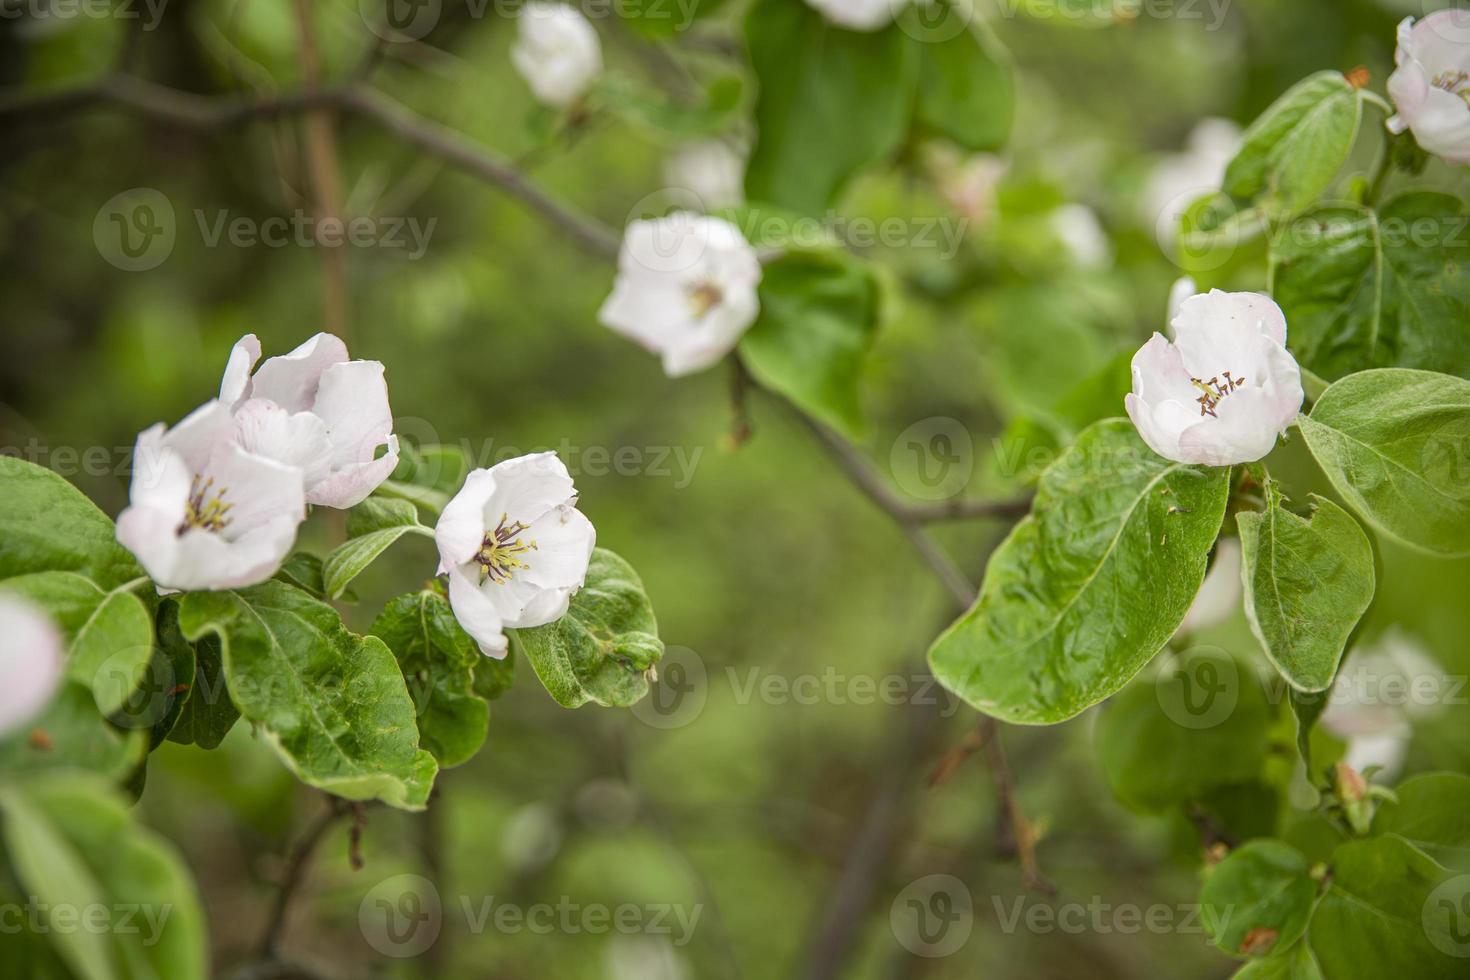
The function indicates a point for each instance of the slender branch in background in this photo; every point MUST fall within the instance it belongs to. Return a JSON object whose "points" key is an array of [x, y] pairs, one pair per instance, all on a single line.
{"points": [[867, 479], [1023, 834], [319, 133], [295, 874], [877, 837]]}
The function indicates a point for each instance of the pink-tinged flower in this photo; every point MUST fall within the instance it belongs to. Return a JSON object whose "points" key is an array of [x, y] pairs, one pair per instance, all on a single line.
{"points": [[515, 548], [685, 289], [556, 52], [205, 513], [1431, 86], [1381, 691], [31, 662], [315, 409], [1224, 389]]}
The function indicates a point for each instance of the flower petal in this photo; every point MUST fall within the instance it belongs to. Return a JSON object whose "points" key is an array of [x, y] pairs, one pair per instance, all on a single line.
{"points": [[290, 380], [461, 529], [31, 661], [476, 613], [234, 387]]}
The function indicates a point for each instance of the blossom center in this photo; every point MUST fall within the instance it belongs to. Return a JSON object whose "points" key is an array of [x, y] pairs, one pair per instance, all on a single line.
{"points": [[206, 507], [1455, 82], [1215, 391], [704, 297], [499, 554]]}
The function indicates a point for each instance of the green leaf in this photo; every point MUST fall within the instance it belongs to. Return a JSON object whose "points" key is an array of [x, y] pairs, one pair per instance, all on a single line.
{"points": [[965, 92], [207, 714], [1432, 812], [1376, 918], [819, 312], [602, 648], [1296, 964], [303, 570], [1294, 150], [1364, 289], [1201, 724], [830, 102], [438, 661], [72, 734], [1258, 900], [74, 845], [441, 467], [1307, 583], [109, 635], [1089, 586], [372, 526], [654, 111], [1396, 444], [332, 704], [47, 525]]}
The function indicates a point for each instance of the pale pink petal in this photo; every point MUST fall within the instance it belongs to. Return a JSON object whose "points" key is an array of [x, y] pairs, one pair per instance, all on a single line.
{"points": [[291, 380]]}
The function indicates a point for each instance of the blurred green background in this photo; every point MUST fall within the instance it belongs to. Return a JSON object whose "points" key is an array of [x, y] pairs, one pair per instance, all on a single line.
{"points": [[767, 564]]}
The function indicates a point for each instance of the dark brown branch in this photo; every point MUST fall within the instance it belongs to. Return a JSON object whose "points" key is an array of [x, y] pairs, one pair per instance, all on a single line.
{"points": [[295, 875], [871, 483]]}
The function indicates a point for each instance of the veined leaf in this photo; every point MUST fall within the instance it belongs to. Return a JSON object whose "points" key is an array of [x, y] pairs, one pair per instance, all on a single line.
{"points": [[372, 526], [333, 704], [438, 659], [1091, 585], [48, 525], [1396, 444], [1258, 900], [1432, 813], [1364, 289], [1294, 150], [1307, 583], [602, 648], [72, 734]]}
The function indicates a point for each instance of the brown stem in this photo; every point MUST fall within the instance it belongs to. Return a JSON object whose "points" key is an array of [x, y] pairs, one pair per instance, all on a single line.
{"points": [[295, 875]]}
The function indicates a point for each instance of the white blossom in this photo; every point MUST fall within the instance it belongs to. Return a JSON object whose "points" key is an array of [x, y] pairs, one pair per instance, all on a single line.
{"points": [[515, 547], [1431, 86], [205, 513], [1082, 234], [710, 169], [685, 289], [859, 15], [31, 661], [1220, 594], [557, 52], [1224, 389], [1381, 690], [315, 409], [1179, 180]]}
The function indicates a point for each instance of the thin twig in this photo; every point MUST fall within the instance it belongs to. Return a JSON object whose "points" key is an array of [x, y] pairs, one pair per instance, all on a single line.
{"points": [[1023, 833], [295, 875], [867, 479]]}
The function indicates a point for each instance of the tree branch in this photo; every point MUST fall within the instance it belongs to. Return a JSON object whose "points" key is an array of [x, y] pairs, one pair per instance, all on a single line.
{"points": [[295, 875]]}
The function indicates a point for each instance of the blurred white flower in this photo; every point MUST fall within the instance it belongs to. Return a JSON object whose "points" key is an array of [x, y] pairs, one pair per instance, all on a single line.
{"points": [[1431, 86], [1220, 595], [859, 15], [685, 289], [515, 547], [646, 957], [557, 52], [711, 169], [31, 662], [1224, 389], [1178, 181], [315, 409], [1082, 234], [1381, 690], [203, 512], [1182, 289]]}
